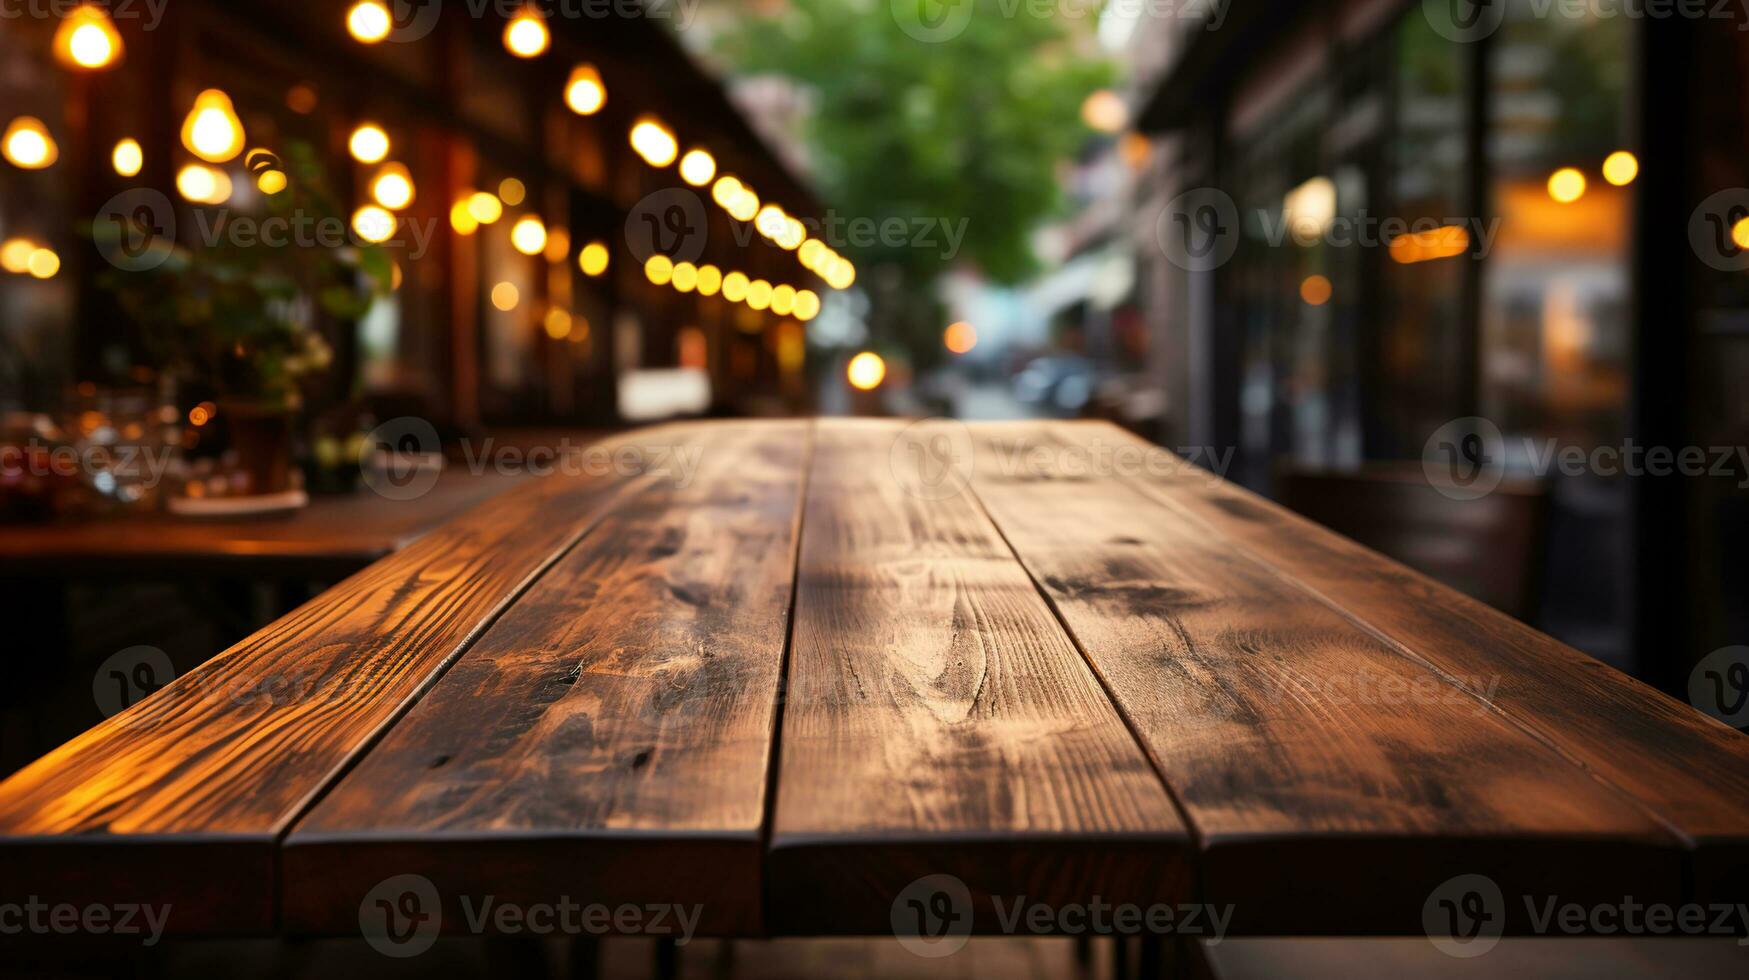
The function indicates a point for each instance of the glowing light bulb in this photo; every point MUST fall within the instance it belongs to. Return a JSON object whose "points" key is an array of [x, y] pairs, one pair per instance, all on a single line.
{"points": [[485, 208], [593, 259], [393, 187], [771, 221], [43, 263], [745, 205], [759, 295], [807, 305], [128, 158], [369, 144], [271, 181], [725, 190], [783, 300], [529, 235], [512, 191], [1620, 168], [1566, 185], [585, 93], [685, 277], [15, 255], [810, 252], [735, 287], [202, 184], [1104, 111], [525, 36], [654, 142], [368, 21], [87, 39], [697, 168], [462, 220], [28, 145], [506, 297], [212, 130], [373, 224], [710, 280], [659, 270], [866, 371], [794, 233]]}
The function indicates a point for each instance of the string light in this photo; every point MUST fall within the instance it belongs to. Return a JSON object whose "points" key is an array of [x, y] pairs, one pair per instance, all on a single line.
{"points": [[393, 187], [654, 142], [212, 130], [368, 21], [28, 145], [87, 39], [506, 297], [697, 168], [526, 34], [369, 144], [1620, 168], [866, 371], [585, 93], [685, 277], [710, 280], [1566, 185], [512, 191], [485, 208], [128, 158], [43, 263], [807, 305], [15, 255], [201, 184], [373, 224], [735, 287], [529, 235], [759, 295], [659, 269], [593, 259], [463, 220], [783, 300]]}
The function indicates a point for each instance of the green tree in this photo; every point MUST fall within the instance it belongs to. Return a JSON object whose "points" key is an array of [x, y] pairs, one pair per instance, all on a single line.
{"points": [[972, 127]]}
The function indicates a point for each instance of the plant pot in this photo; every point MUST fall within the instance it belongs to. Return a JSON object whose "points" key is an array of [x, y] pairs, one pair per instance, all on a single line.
{"points": [[262, 439]]}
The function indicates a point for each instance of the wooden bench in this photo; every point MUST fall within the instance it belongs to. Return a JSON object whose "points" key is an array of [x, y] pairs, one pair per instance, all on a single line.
{"points": [[784, 671]]}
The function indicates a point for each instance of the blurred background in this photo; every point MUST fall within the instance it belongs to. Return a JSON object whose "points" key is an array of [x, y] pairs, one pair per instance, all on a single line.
{"points": [[1298, 243]]}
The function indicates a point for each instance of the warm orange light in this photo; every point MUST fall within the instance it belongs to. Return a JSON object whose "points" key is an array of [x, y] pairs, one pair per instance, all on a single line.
{"points": [[585, 93], [529, 235], [735, 285], [505, 296], [807, 305], [212, 130], [558, 244], [745, 205], [794, 234], [1104, 111], [1316, 290], [1740, 233], [28, 145], [15, 255], [810, 253], [1423, 246], [783, 300], [512, 191], [202, 184], [485, 208], [685, 277], [368, 21], [725, 191], [710, 280], [866, 371], [301, 99], [960, 337], [369, 144], [697, 167], [271, 182], [1566, 185], [87, 38], [128, 158], [771, 222], [463, 220], [654, 142], [1620, 168], [659, 270], [839, 274], [393, 187], [593, 259], [694, 349], [759, 295], [43, 263], [373, 224], [558, 323], [526, 34]]}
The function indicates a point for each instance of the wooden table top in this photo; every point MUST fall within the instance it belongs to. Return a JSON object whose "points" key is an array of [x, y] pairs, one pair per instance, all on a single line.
{"points": [[332, 536], [784, 670]]}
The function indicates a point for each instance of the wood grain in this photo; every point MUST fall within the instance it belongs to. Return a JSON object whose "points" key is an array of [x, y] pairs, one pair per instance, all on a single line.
{"points": [[1332, 781], [607, 740], [939, 722], [182, 798], [1563, 958], [1688, 769]]}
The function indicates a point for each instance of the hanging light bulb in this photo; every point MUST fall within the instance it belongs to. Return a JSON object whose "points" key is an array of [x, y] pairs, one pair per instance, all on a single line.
{"points": [[735, 286], [584, 93], [710, 280], [697, 168], [128, 158], [373, 224], [783, 300], [393, 187], [462, 219], [212, 130], [526, 34], [87, 39], [368, 21], [593, 259], [202, 184], [529, 235], [485, 207], [759, 295], [28, 145], [368, 144], [654, 142], [807, 305]]}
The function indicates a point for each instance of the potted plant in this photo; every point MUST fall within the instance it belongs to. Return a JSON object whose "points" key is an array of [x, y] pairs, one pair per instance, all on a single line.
{"points": [[240, 314]]}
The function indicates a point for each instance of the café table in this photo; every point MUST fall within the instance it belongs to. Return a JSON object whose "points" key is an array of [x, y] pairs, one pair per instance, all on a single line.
{"points": [[835, 677]]}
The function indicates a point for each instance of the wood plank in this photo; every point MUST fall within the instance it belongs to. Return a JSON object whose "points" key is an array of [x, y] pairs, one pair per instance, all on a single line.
{"points": [[1689, 769], [939, 722], [1333, 782], [607, 740], [182, 798], [1542, 958]]}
